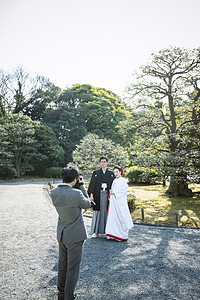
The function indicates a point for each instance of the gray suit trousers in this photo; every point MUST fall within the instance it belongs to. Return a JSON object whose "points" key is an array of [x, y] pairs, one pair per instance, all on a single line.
{"points": [[68, 269]]}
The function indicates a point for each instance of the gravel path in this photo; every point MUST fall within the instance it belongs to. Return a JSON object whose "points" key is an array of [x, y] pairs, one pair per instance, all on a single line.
{"points": [[157, 263]]}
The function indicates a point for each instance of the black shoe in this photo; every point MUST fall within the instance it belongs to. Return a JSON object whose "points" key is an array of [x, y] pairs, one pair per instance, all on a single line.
{"points": [[61, 296]]}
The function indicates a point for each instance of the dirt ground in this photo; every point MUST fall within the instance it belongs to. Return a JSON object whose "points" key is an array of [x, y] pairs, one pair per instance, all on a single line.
{"points": [[156, 263]]}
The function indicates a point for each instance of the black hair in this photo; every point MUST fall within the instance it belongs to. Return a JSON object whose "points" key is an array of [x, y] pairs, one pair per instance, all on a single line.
{"points": [[118, 168], [69, 174], [103, 157]]}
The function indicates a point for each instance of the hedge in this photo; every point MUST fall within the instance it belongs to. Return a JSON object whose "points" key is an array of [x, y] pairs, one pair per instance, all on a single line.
{"points": [[141, 175], [54, 172]]}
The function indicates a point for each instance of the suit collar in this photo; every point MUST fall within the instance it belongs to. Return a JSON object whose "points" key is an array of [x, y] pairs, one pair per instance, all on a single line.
{"points": [[104, 172], [65, 184]]}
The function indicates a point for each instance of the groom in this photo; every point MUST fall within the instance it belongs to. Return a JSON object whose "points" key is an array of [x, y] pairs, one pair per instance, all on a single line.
{"points": [[71, 231], [98, 189]]}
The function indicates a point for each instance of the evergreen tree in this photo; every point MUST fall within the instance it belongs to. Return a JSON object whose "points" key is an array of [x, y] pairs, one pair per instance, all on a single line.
{"points": [[166, 101]]}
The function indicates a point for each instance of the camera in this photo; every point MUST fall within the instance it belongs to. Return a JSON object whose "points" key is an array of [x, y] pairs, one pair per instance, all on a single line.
{"points": [[78, 183]]}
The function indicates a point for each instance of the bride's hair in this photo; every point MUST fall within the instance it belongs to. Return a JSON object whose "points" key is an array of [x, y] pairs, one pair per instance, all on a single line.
{"points": [[118, 168]]}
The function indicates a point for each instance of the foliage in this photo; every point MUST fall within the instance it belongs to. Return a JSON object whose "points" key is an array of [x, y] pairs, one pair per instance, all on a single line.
{"points": [[91, 148], [6, 168], [68, 124], [84, 109], [103, 110], [47, 150], [128, 130], [141, 175], [161, 131], [53, 172], [166, 101], [41, 98], [19, 92], [7, 171], [18, 133], [26, 146]]}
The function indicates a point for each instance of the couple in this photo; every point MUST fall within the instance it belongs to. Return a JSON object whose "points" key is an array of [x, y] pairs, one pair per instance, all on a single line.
{"points": [[113, 219]]}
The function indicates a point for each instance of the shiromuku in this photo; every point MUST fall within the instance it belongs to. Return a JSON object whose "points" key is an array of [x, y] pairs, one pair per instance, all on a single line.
{"points": [[119, 220]]}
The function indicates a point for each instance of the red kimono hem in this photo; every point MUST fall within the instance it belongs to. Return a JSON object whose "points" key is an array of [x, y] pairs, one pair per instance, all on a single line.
{"points": [[117, 238]]}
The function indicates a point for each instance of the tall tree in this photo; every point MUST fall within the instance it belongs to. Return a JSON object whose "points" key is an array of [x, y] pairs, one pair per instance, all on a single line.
{"points": [[27, 146], [18, 133], [6, 155], [68, 124], [19, 92], [4, 81], [102, 108], [42, 97], [82, 109], [47, 151], [166, 97]]}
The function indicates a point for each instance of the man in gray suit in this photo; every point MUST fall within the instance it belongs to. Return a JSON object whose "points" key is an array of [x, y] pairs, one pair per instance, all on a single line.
{"points": [[71, 231]]}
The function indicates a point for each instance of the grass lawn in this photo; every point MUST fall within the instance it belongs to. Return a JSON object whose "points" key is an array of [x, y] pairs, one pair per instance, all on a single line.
{"points": [[26, 179], [159, 208]]}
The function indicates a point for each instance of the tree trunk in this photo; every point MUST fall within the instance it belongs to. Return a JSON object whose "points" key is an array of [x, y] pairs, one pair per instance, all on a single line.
{"points": [[18, 170], [179, 189], [164, 181], [18, 163]]}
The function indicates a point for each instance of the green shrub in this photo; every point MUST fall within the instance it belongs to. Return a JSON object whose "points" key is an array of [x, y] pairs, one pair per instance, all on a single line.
{"points": [[7, 172], [26, 168], [131, 201], [54, 172], [141, 175]]}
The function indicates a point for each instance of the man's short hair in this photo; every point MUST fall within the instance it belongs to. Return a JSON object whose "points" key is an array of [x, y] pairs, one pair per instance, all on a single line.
{"points": [[103, 157], [69, 174]]}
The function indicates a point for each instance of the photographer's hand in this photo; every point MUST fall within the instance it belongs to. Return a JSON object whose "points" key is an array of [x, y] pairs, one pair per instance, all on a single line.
{"points": [[80, 179]]}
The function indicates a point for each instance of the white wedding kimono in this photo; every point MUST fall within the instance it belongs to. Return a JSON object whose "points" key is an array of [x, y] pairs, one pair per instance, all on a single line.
{"points": [[119, 220]]}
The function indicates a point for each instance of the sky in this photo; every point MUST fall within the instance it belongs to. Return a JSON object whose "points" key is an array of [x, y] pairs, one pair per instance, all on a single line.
{"points": [[97, 42]]}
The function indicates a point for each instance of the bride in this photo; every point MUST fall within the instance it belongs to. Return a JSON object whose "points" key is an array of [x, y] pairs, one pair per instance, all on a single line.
{"points": [[119, 220]]}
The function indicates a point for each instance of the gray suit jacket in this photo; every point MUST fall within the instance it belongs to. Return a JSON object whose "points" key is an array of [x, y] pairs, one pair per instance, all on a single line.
{"points": [[68, 203]]}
